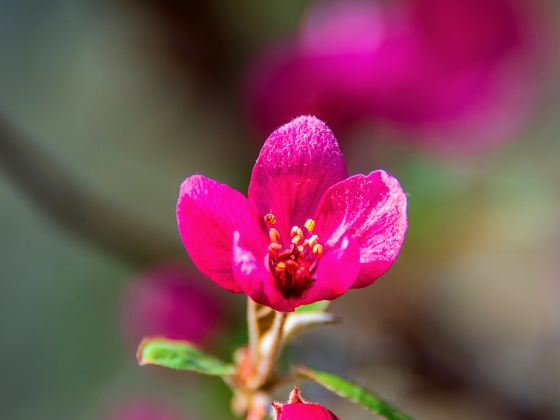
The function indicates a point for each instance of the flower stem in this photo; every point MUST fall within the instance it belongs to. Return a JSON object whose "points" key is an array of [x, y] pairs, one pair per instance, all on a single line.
{"points": [[267, 365], [258, 407], [253, 327]]}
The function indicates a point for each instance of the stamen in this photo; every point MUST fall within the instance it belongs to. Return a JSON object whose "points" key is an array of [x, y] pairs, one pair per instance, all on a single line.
{"points": [[274, 248], [274, 235], [313, 240], [296, 231], [310, 225], [318, 249], [294, 264]]}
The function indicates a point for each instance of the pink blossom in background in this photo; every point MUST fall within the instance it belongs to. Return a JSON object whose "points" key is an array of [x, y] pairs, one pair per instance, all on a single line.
{"points": [[473, 78], [326, 71], [307, 232], [171, 301], [458, 74], [143, 409], [298, 409]]}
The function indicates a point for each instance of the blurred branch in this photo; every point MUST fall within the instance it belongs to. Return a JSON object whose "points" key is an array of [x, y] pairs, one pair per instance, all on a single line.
{"points": [[73, 207], [197, 41], [446, 367]]}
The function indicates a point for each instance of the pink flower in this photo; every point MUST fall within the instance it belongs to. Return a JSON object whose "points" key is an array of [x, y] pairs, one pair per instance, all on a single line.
{"points": [[305, 233], [171, 301], [298, 409], [471, 77], [343, 50], [458, 74]]}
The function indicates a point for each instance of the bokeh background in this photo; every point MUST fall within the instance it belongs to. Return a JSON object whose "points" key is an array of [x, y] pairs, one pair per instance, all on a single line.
{"points": [[106, 106]]}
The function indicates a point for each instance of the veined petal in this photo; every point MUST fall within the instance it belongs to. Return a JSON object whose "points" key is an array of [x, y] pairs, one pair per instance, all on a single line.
{"points": [[252, 275], [297, 164], [207, 215], [370, 209], [337, 272]]}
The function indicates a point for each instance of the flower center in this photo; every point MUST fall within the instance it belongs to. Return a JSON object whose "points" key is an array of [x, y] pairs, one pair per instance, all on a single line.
{"points": [[293, 266]]}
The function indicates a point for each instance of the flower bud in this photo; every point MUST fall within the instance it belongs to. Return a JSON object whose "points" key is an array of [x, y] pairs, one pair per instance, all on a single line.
{"points": [[298, 409]]}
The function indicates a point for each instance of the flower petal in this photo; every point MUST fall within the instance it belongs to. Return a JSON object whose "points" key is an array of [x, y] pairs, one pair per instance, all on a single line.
{"points": [[370, 209], [207, 214], [252, 275], [337, 272], [297, 164]]}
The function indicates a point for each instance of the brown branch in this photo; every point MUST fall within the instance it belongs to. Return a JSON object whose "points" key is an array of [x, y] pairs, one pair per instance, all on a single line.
{"points": [[70, 205], [446, 367], [197, 41]]}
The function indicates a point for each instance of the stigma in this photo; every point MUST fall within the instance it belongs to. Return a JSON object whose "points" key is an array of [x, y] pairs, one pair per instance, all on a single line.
{"points": [[293, 261]]}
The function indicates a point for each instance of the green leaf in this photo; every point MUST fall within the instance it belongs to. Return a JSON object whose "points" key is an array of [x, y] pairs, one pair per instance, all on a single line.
{"points": [[322, 305], [180, 355], [354, 393]]}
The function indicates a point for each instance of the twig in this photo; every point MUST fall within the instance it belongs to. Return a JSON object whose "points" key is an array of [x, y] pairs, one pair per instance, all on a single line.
{"points": [[69, 204]]}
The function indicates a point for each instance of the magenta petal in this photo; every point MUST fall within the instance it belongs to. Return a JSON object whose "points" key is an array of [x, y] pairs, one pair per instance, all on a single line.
{"points": [[251, 273], [297, 164], [337, 272], [207, 214], [371, 210]]}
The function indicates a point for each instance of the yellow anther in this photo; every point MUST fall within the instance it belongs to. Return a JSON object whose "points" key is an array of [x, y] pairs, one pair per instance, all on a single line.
{"points": [[270, 219], [280, 266], [318, 249], [300, 248], [296, 239], [310, 225], [296, 231], [313, 240], [274, 235]]}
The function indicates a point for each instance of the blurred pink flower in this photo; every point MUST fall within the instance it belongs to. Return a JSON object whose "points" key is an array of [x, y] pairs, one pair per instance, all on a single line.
{"points": [[143, 409], [171, 301], [353, 228], [298, 409], [460, 74]]}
